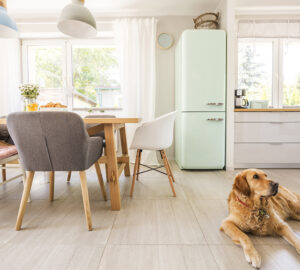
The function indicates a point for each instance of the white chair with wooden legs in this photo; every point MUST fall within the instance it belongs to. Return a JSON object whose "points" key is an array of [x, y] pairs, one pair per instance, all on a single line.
{"points": [[154, 135]]}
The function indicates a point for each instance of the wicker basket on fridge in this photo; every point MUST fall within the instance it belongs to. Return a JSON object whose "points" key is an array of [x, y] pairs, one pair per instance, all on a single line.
{"points": [[207, 21]]}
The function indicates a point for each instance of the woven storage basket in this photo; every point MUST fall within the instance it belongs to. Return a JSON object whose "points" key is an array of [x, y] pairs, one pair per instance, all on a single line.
{"points": [[207, 21]]}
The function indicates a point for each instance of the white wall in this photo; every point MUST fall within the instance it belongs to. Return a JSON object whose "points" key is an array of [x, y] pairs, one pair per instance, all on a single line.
{"points": [[227, 10], [165, 94]]}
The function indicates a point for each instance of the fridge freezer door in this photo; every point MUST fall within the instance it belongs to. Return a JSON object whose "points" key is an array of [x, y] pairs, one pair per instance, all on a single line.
{"points": [[202, 57], [200, 140]]}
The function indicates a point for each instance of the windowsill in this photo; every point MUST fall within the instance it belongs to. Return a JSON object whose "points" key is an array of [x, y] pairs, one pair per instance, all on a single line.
{"points": [[269, 110]]}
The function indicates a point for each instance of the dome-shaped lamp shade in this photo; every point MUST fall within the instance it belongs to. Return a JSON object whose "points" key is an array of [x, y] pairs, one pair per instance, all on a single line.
{"points": [[8, 28], [77, 21]]}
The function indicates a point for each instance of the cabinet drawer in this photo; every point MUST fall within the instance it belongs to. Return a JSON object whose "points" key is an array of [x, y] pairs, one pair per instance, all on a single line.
{"points": [[266, 153], [267, 132], [267, 117]]}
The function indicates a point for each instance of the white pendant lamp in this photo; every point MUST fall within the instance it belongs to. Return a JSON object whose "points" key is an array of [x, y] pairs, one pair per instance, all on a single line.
{"points": [[77, 21], [8, 28]]}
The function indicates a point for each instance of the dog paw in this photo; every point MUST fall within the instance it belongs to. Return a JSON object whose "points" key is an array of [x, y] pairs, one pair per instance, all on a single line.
{"points": [[253, 258]]}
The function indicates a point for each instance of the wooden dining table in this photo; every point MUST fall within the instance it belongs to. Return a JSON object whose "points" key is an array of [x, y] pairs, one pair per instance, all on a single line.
{"points": [[115, 164]]}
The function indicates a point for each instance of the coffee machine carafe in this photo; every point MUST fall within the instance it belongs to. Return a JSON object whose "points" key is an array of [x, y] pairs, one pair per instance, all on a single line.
{"points": [[240, 99]]}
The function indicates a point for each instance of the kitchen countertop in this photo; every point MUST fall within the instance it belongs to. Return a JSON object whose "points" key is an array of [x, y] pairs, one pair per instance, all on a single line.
{"points": [[269, 110]]}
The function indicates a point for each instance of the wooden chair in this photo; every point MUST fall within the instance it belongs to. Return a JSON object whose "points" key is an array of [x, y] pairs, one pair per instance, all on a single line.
{"points": [[55, 141], [154, 135], [9, 154]]}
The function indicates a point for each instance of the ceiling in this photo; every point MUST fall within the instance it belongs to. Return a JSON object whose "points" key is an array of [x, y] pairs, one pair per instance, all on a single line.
{"points": [[22, 8]]}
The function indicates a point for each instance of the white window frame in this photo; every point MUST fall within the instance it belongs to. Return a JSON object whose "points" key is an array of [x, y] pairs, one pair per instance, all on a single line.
{"points": [[275, 64], [277, 73], [67, 64], [44, 42]]}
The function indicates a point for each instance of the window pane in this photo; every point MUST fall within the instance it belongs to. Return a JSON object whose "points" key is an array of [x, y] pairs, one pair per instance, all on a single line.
{"points": [[45, 69], [291, 73], [45, 66], [255, 69], [96, 77]]}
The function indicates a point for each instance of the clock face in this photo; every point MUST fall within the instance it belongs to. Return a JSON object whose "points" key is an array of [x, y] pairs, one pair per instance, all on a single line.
{"points": [[165, 41]]}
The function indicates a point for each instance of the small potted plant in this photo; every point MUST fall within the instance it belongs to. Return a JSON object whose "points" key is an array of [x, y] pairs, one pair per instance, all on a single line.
{"points": [[30, 92]]}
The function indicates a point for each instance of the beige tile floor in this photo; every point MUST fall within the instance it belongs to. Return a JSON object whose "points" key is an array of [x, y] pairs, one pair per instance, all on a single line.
{"points": [[152, 231]]}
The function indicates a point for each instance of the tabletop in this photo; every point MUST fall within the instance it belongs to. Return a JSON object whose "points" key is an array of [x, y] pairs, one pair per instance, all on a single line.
{"points": [[100, 120]]}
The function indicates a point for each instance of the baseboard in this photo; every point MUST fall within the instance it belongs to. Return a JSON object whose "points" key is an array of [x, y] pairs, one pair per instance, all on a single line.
{"points": [[268, 165]]}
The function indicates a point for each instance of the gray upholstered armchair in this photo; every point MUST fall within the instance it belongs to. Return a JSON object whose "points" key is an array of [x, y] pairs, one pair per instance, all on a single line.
{"points": [[99, 134], [54, 141]]}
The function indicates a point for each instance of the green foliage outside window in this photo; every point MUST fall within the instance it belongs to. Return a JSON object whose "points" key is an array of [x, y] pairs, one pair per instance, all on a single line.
{"points": [[48, 67], [94, 67]]}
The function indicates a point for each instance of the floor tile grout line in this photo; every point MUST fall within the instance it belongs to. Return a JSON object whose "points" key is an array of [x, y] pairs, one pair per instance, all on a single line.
{"points": [[195, 216], [107, 241], [213, 255]]}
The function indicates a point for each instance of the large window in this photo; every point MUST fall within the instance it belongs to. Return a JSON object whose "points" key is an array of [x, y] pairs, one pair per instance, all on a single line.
{"points": [[45, 68], [82, 74], [291, 73], [268, 69]]}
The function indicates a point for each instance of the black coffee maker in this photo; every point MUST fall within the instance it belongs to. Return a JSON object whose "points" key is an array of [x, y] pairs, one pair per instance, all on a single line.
{"points": [[240, 99]]}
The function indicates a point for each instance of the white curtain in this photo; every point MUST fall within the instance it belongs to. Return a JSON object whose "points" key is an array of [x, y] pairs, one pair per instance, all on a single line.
{"points": [[135, 40], [10, 76], [269, 28]]}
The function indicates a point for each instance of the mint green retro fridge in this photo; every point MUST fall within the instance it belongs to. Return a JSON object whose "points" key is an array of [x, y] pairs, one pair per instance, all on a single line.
{"points": [[200, 86]]}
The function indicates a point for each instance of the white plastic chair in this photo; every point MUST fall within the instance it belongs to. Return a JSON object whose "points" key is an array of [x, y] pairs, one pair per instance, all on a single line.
{"points": [[154, 135]]}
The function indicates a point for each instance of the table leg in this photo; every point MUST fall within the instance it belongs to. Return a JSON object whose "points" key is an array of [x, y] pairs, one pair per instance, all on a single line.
{"points": [[3, 173], [112, 177], [124, 149]]}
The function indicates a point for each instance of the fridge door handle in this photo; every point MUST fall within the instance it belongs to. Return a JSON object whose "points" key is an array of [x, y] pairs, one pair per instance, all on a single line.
{"points": [[215, 103], [215, 119]]}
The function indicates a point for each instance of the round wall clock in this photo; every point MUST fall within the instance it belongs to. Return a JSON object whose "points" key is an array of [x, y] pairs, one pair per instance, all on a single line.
{"points": [[165, 41]]}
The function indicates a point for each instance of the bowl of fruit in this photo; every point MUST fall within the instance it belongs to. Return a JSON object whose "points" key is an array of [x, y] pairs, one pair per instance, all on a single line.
{"points": [[51, 106]]}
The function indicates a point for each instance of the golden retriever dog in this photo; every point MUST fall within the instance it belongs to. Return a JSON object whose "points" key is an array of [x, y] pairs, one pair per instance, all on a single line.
{"points": [[260, 206]]}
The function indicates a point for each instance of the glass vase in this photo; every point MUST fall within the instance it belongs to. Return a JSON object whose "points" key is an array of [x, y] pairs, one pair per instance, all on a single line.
{"points": [[31, 104]]}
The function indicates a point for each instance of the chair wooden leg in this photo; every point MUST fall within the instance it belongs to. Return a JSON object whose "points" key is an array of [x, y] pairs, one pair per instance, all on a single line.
{"points": [[51, 186], [86, 200], [69, 176], [24, 181], [139, 165], [100, 179], [164, 157], [170, 168], [135, 171], [3, 173], [25, 196]]}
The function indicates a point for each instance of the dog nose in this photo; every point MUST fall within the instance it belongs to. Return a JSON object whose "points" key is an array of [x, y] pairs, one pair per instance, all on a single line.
{"points": [[274, 185]]}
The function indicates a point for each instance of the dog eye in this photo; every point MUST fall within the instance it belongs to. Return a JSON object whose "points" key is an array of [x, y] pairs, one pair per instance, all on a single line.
{"points": [[255, 176]]}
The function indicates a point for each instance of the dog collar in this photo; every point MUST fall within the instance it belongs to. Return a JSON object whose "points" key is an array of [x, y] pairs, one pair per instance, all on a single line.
{"points": [[240, 201]]}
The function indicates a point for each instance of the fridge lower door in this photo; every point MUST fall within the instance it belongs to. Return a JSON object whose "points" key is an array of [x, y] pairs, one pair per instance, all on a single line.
{"points": [[200, 140]]}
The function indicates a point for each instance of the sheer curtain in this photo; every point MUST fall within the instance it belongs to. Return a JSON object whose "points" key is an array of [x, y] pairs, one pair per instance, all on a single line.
{"points": [[10, 76], [135, 40]]}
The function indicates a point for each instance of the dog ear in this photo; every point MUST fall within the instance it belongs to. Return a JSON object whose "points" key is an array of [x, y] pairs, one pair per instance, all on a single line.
{"points": [[241, 185]]}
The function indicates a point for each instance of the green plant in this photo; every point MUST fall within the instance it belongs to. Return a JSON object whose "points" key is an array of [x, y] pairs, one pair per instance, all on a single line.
{"points": [[29, 90]]}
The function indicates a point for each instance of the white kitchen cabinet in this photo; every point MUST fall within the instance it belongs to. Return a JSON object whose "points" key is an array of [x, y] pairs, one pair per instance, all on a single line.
{"points": [[267, 140]]}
